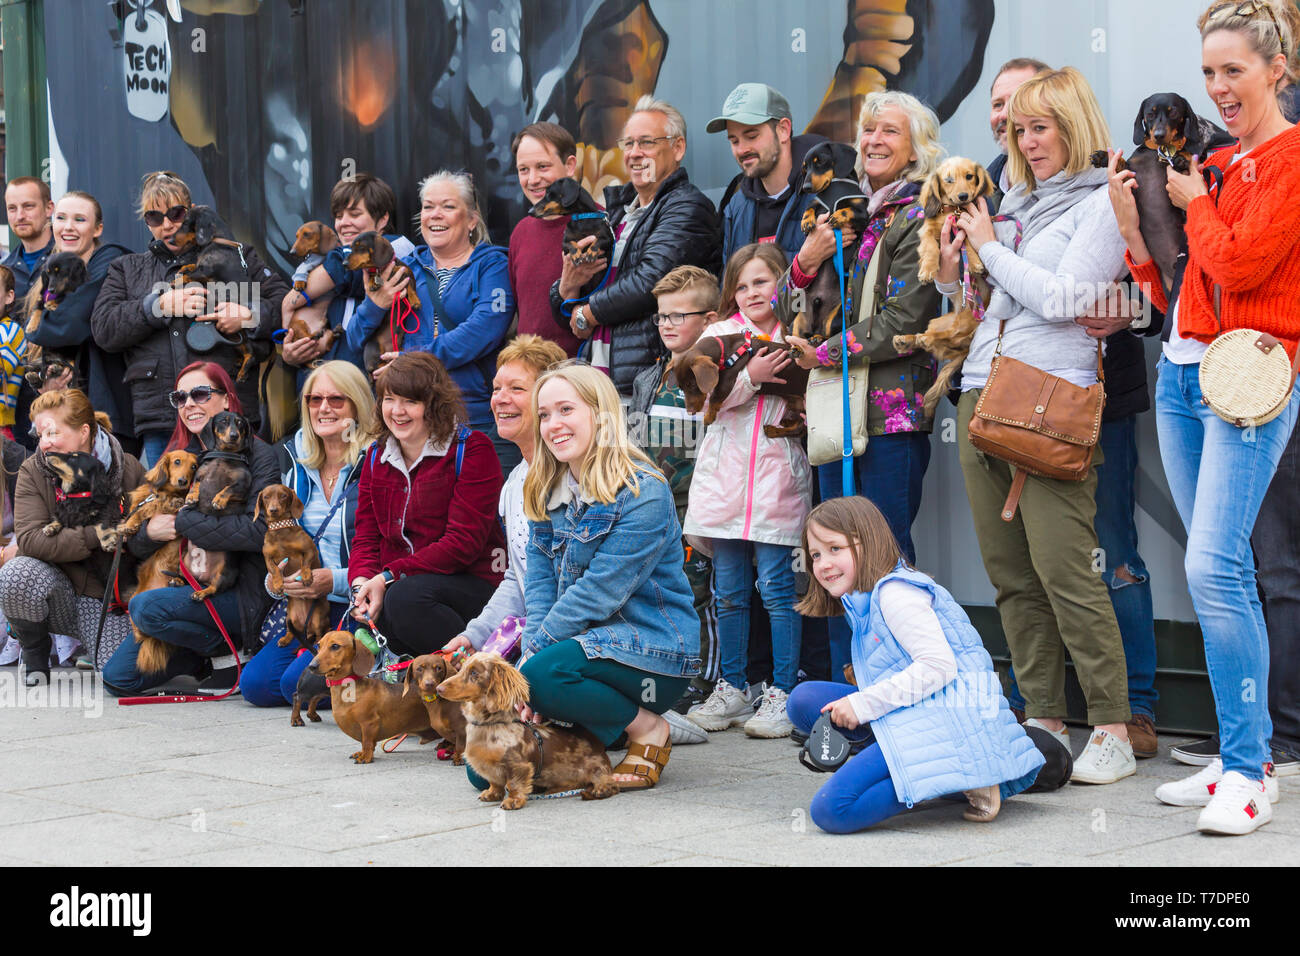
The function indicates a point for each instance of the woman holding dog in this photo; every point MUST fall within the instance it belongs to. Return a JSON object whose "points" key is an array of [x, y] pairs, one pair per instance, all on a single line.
{"points": [[1045, 268], [898, 148], [203, 390], [1243, 262], [57, 581], [319, 464]]}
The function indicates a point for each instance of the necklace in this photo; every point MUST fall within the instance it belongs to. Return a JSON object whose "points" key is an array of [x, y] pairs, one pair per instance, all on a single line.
{"points": [[330, 480]]}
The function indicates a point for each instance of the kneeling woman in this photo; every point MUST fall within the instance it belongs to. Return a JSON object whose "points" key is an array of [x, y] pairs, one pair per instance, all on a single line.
{"points": [[927, 686], [57, 581], [612, 638]]}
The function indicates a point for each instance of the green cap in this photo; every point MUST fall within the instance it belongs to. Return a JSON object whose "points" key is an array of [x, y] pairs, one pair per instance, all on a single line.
{"points": [[750, 104]]}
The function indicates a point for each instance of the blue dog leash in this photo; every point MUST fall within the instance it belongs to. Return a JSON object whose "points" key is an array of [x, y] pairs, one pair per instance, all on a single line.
{"points": [[846, 450]]}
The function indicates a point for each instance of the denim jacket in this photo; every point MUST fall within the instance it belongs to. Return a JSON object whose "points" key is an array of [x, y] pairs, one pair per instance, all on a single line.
{"points": [[611, 576]]}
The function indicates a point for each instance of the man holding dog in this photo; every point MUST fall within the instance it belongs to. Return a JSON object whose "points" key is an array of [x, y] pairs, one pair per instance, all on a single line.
{"points": [[763, 203]]}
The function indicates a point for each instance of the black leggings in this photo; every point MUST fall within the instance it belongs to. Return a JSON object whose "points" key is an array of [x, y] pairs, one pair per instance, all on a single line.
{"points": [[423, 612]]}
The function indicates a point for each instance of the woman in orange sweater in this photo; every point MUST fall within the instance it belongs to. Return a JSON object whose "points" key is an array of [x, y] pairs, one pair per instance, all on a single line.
{"points": [[1243, 244]]}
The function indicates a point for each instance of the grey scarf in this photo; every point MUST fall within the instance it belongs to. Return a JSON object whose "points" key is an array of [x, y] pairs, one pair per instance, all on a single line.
{"points": [[1039, 209]]}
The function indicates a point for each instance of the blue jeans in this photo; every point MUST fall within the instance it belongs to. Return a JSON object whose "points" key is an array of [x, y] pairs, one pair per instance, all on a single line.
{"points": [[1117, 539], [861, 793], [169, 615], [733, 579], [890, 472], [1218, 475], [153, 445], [271, 677]]}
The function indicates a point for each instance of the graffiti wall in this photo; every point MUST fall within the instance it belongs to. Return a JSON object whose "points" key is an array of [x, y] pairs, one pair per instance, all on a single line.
{"points": [[262, 105]]}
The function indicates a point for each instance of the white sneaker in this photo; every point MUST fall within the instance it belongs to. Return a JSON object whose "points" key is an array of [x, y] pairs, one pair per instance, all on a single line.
{"points": [[755, 693], [1062, 735], [771, 720], [1199, 788], [682, 731], [1239, 806], [726, 707], [1106, 759]]}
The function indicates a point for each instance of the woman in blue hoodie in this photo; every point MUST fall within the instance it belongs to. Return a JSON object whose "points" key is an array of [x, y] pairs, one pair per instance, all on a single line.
{"points": [[78, 223], [466, 301]]}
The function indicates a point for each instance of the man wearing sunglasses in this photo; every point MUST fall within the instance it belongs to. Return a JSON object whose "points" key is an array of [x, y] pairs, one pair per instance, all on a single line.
{"points": [[138, 313]]}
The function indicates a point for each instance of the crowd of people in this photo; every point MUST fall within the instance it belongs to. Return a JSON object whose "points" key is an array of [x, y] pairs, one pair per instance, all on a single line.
{"points": [[527, 459]]}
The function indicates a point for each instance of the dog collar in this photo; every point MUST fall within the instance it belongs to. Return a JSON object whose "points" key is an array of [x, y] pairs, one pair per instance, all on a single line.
{"points": [[351, 678], [281, 525], [237, 246], [428, 698], [587, 215], [491, 723], [61, 495], [742, 350], [220, 455]]}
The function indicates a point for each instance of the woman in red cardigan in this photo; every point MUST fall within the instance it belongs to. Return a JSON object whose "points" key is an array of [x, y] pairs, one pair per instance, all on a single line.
{"points": [[427, 545], [1243, 250]]}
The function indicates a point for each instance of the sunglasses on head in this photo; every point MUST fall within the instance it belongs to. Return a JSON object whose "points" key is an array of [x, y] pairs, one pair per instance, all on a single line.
{"points": [[155, 218], [200, 394]]}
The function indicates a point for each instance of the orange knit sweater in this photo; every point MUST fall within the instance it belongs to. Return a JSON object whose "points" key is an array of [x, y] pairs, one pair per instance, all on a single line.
{"points": [[1248, 244]]}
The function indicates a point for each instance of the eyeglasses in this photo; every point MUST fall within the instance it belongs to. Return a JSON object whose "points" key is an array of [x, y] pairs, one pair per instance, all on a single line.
{"points": [[200, 394], [1251, 7], [333, 401], [673, 318], [645, 143], [155, 218]]}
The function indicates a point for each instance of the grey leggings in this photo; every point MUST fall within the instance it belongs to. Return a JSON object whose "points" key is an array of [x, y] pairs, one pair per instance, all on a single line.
{"points": [[31, 590]]}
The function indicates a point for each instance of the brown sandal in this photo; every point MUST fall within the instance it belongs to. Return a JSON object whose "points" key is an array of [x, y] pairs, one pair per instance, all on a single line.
{"points": [[647, 775]]}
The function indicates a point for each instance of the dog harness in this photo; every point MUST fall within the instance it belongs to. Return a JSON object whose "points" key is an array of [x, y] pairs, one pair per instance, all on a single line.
{"points": [[232, 244], [727, 361]]}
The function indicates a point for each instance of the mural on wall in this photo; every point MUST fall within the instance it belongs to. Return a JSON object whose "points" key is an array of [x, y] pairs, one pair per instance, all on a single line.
{"points": [[272, 101]]}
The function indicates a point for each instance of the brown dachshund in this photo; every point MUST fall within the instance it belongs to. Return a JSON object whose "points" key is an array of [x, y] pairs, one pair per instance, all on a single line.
{"points": [[306, 619], [955, 184], [310, 244], [372, 253], [163, 493], [709, 369], [516, 758], [366, 709], [426, 673]]}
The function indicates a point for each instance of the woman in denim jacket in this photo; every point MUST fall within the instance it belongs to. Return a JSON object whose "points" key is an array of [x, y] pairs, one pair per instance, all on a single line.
{"points": [[604, 569]]}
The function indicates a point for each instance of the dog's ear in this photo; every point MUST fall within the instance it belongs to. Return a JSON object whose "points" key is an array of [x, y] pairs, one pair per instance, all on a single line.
{"points": [[506, 687], [706, 374], [983, 181], [1140, 125], [205, 228], [329, 239], [363, 662], [930, 196], [157, 475], [381, 253], [1191, 128], [295, 504], [406, 681], [257, 508], [570, 191]]}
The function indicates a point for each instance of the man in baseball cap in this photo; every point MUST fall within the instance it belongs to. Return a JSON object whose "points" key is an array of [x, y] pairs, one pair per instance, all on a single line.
{"points": [[763, 203]]}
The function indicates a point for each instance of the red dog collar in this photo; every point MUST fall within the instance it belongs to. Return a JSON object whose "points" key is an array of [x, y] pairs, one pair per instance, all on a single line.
{"points": [[61, 495], [341, 680]]}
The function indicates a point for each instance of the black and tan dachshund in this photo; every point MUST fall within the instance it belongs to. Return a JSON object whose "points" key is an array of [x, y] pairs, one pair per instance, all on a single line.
{"points": [[221, 487], [63, 274], [221, 266], [372, 253], [566, 197], [1167, 133], [84, 498], [828, 173]]}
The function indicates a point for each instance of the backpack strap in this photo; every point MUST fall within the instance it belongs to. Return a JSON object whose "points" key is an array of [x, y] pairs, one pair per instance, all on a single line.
{"points": [[462, 436]]}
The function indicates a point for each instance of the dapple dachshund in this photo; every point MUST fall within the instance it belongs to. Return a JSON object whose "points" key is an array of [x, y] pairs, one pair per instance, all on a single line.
{"points": [[306, 619], [709, 369], [365, 708], [517, 758], [372, 253], [63, 274], [566, 197], [425, 673], [1166, 132]]}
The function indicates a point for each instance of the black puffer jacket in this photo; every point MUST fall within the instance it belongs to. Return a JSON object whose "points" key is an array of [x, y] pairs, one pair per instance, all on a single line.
{"points": [[123, 321], [680, 228], [232, 533]]}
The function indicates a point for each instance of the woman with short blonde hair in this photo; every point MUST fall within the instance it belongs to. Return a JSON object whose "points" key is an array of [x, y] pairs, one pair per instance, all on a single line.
{"points": [[1065, 96]]}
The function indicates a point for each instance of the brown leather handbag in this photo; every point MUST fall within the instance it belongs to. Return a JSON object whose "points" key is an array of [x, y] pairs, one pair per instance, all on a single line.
{"points": [[1040, 423]]}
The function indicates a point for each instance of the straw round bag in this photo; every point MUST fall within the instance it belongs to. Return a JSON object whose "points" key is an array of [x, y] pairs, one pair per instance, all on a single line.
{"points": [[1246, 378]]}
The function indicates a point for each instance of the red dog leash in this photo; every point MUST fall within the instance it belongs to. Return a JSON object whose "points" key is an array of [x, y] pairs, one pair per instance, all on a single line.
{"points": [[192, 698]]}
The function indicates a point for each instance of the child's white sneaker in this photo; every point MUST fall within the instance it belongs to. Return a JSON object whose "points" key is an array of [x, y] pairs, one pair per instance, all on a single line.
{"points": [[1106, 759], [1198, 789], [771, 720], [1239, 806], [725, 707]]}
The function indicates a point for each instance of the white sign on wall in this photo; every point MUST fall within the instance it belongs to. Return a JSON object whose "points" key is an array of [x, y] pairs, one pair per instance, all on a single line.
{"points": [[148, 65]]}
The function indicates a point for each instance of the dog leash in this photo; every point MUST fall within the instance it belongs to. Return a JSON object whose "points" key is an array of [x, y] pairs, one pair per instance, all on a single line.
{"points": [[969, 294], [398, 313], [846, 448], [110, 586], [193, 698]]}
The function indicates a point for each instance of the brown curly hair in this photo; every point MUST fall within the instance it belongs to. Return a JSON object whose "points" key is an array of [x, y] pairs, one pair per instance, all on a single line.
{"points": [[419, 377]]}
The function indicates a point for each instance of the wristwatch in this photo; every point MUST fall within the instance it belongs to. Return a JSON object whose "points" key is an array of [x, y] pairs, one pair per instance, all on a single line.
{"points": [[388, 577], [580, 320]]}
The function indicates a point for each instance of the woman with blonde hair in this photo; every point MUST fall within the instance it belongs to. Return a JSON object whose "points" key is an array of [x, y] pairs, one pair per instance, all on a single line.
{"points": [[612, 638], [319, 463], [1046, 265]]}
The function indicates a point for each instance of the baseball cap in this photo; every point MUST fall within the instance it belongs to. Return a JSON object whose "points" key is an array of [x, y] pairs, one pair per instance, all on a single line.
{"points": [[751, 104]]}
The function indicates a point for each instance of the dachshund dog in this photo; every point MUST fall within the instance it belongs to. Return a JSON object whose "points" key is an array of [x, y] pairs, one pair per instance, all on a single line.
{"points": [[312, 689], [372, 253], [221, 267], [426, 673], [1166, 132], [63, 274], [708, 372], [365, 708], [957, 182], [566, 197], [947, 338], [221, 486], [306, 619], [163, 493], [310, 244], [83, 498], [516, 758], [828, 173]]}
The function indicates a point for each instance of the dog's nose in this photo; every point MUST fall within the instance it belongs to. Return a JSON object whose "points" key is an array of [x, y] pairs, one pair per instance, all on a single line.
{"points": [[963, 197]]}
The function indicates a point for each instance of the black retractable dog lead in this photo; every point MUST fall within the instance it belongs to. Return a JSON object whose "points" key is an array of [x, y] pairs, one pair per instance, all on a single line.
{"points": [[826, 748]]}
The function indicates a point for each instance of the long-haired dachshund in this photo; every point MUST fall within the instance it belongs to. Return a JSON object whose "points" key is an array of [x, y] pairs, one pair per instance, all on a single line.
{"points": [[306, 619], [84, 498], [364, 708], [566, 197], [946, 337], [425, 673], [708, 370], [63, 274], [957, 182], [517, 758]]}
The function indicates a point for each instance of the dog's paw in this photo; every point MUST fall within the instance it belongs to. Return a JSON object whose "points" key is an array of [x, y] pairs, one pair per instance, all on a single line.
{"points": [[284, 641], [314, 718], [1100, 159], [487, 797], [296, 721], [1180, 164], [108, 537], [362, 757], [53, 528], [514, 801]]}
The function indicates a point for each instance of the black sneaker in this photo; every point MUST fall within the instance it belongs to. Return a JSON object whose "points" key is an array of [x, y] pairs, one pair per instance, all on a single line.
{"points": [[221, 680], [1201, 753], [1285, 765], [696, 693]]}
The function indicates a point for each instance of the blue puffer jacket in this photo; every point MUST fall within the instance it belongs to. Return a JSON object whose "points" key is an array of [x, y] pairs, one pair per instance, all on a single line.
{"points": [[476, 312], [962, 736], [611, 577]]}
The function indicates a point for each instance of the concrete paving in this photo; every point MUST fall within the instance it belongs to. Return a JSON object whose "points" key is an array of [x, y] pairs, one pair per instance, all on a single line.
{"points": [[226, 783]]}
